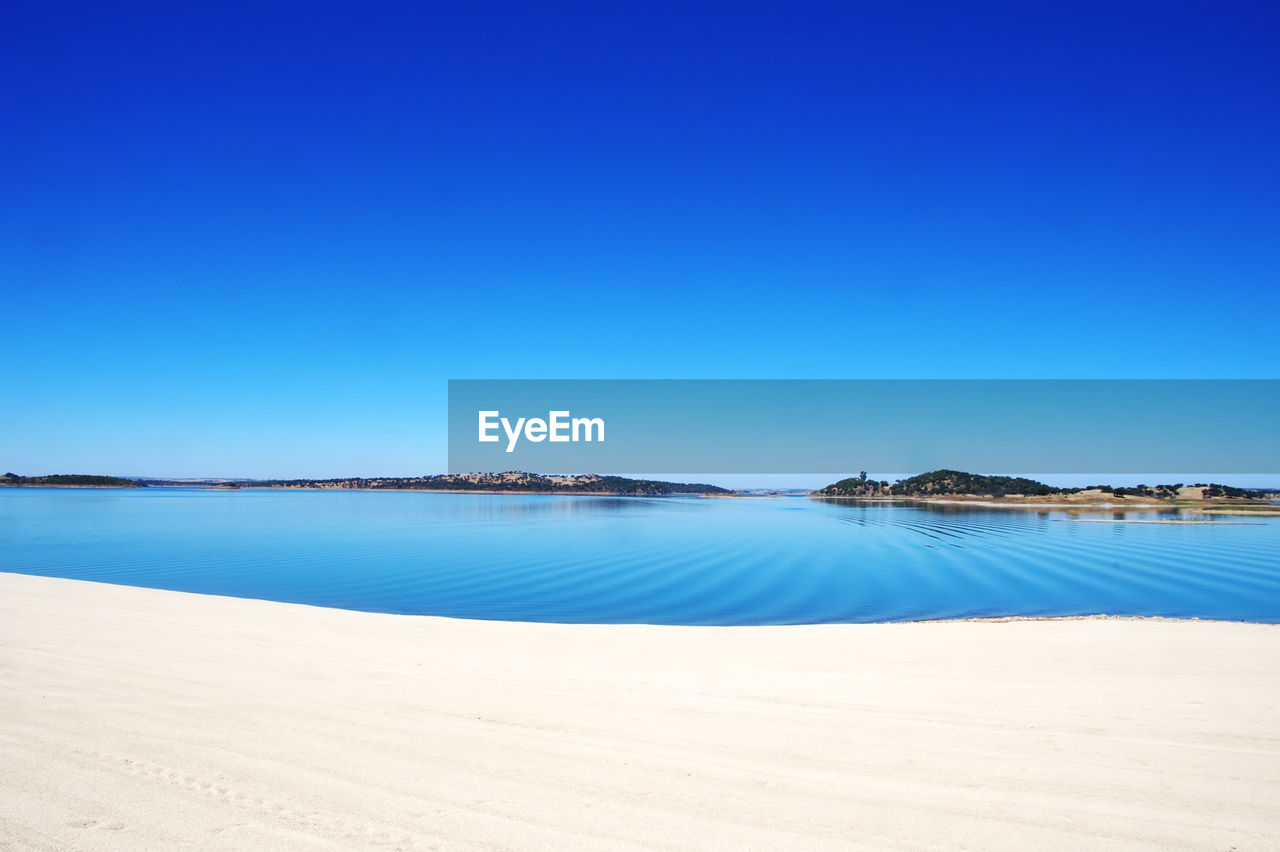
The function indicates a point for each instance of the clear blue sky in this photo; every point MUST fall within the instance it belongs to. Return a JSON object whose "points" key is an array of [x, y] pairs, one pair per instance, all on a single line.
{"points": [[258, 239]]}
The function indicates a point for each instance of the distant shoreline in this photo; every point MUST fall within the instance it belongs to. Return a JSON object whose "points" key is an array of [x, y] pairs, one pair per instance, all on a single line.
{"points": [[509, 493], [512, 493], [60, 485], [1228, 505], [1209, 505], [942, 487]]}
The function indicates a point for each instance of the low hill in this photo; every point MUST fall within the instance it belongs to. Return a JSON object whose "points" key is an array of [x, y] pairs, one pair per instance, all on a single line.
{"points": [[81, 480], [503, 482], [955, 483], [943, 482]]}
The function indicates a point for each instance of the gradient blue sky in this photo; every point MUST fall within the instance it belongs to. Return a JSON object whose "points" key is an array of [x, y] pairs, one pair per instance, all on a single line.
{"points": [[258, 239]]}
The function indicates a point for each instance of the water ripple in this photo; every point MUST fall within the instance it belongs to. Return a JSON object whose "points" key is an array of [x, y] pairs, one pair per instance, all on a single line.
{"points": [[670, 560]]}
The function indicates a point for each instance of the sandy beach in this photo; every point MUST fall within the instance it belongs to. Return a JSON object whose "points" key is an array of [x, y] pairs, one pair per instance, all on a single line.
{"points": [[141, 719]]}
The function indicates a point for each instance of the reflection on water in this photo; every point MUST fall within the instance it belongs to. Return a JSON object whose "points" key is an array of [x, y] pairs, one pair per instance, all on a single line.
{"points": [[658, 560]]}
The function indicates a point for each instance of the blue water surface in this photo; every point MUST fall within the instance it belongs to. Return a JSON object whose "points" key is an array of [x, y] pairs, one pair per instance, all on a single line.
{"points": [[671, 560]]}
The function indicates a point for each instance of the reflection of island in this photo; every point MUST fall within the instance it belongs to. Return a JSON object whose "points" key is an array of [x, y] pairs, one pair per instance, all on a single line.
{"points": [[957, 485]]}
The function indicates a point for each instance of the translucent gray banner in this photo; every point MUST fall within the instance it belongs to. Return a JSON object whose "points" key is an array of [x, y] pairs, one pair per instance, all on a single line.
{"points": [[820, 426]]}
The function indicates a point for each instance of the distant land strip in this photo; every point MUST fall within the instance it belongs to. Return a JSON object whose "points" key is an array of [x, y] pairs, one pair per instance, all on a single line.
{"points": [[72, 480], [955, 484], [511, 481], [938, 486]]}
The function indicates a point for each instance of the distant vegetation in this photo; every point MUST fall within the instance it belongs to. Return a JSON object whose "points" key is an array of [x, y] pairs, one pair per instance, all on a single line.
{"points": [[1215, 490], [511, 481], [1170, 492], [957, 483], [939, 482], [70, 479], [856, 486]]}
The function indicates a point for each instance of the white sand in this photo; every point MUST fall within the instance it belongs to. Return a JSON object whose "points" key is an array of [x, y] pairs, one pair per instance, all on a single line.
{"points": [[137, 719]]}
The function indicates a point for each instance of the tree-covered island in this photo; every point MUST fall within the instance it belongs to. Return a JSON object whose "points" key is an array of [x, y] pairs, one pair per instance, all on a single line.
{"points": [[71, 480], [509, 482], [956, 484]]}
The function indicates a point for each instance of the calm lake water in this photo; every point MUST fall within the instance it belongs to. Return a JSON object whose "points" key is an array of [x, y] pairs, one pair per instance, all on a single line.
{"points": [[629, 559]]}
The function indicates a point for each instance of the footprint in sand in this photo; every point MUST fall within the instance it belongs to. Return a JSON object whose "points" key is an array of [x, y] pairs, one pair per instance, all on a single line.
{"points": [[89, 822]]}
